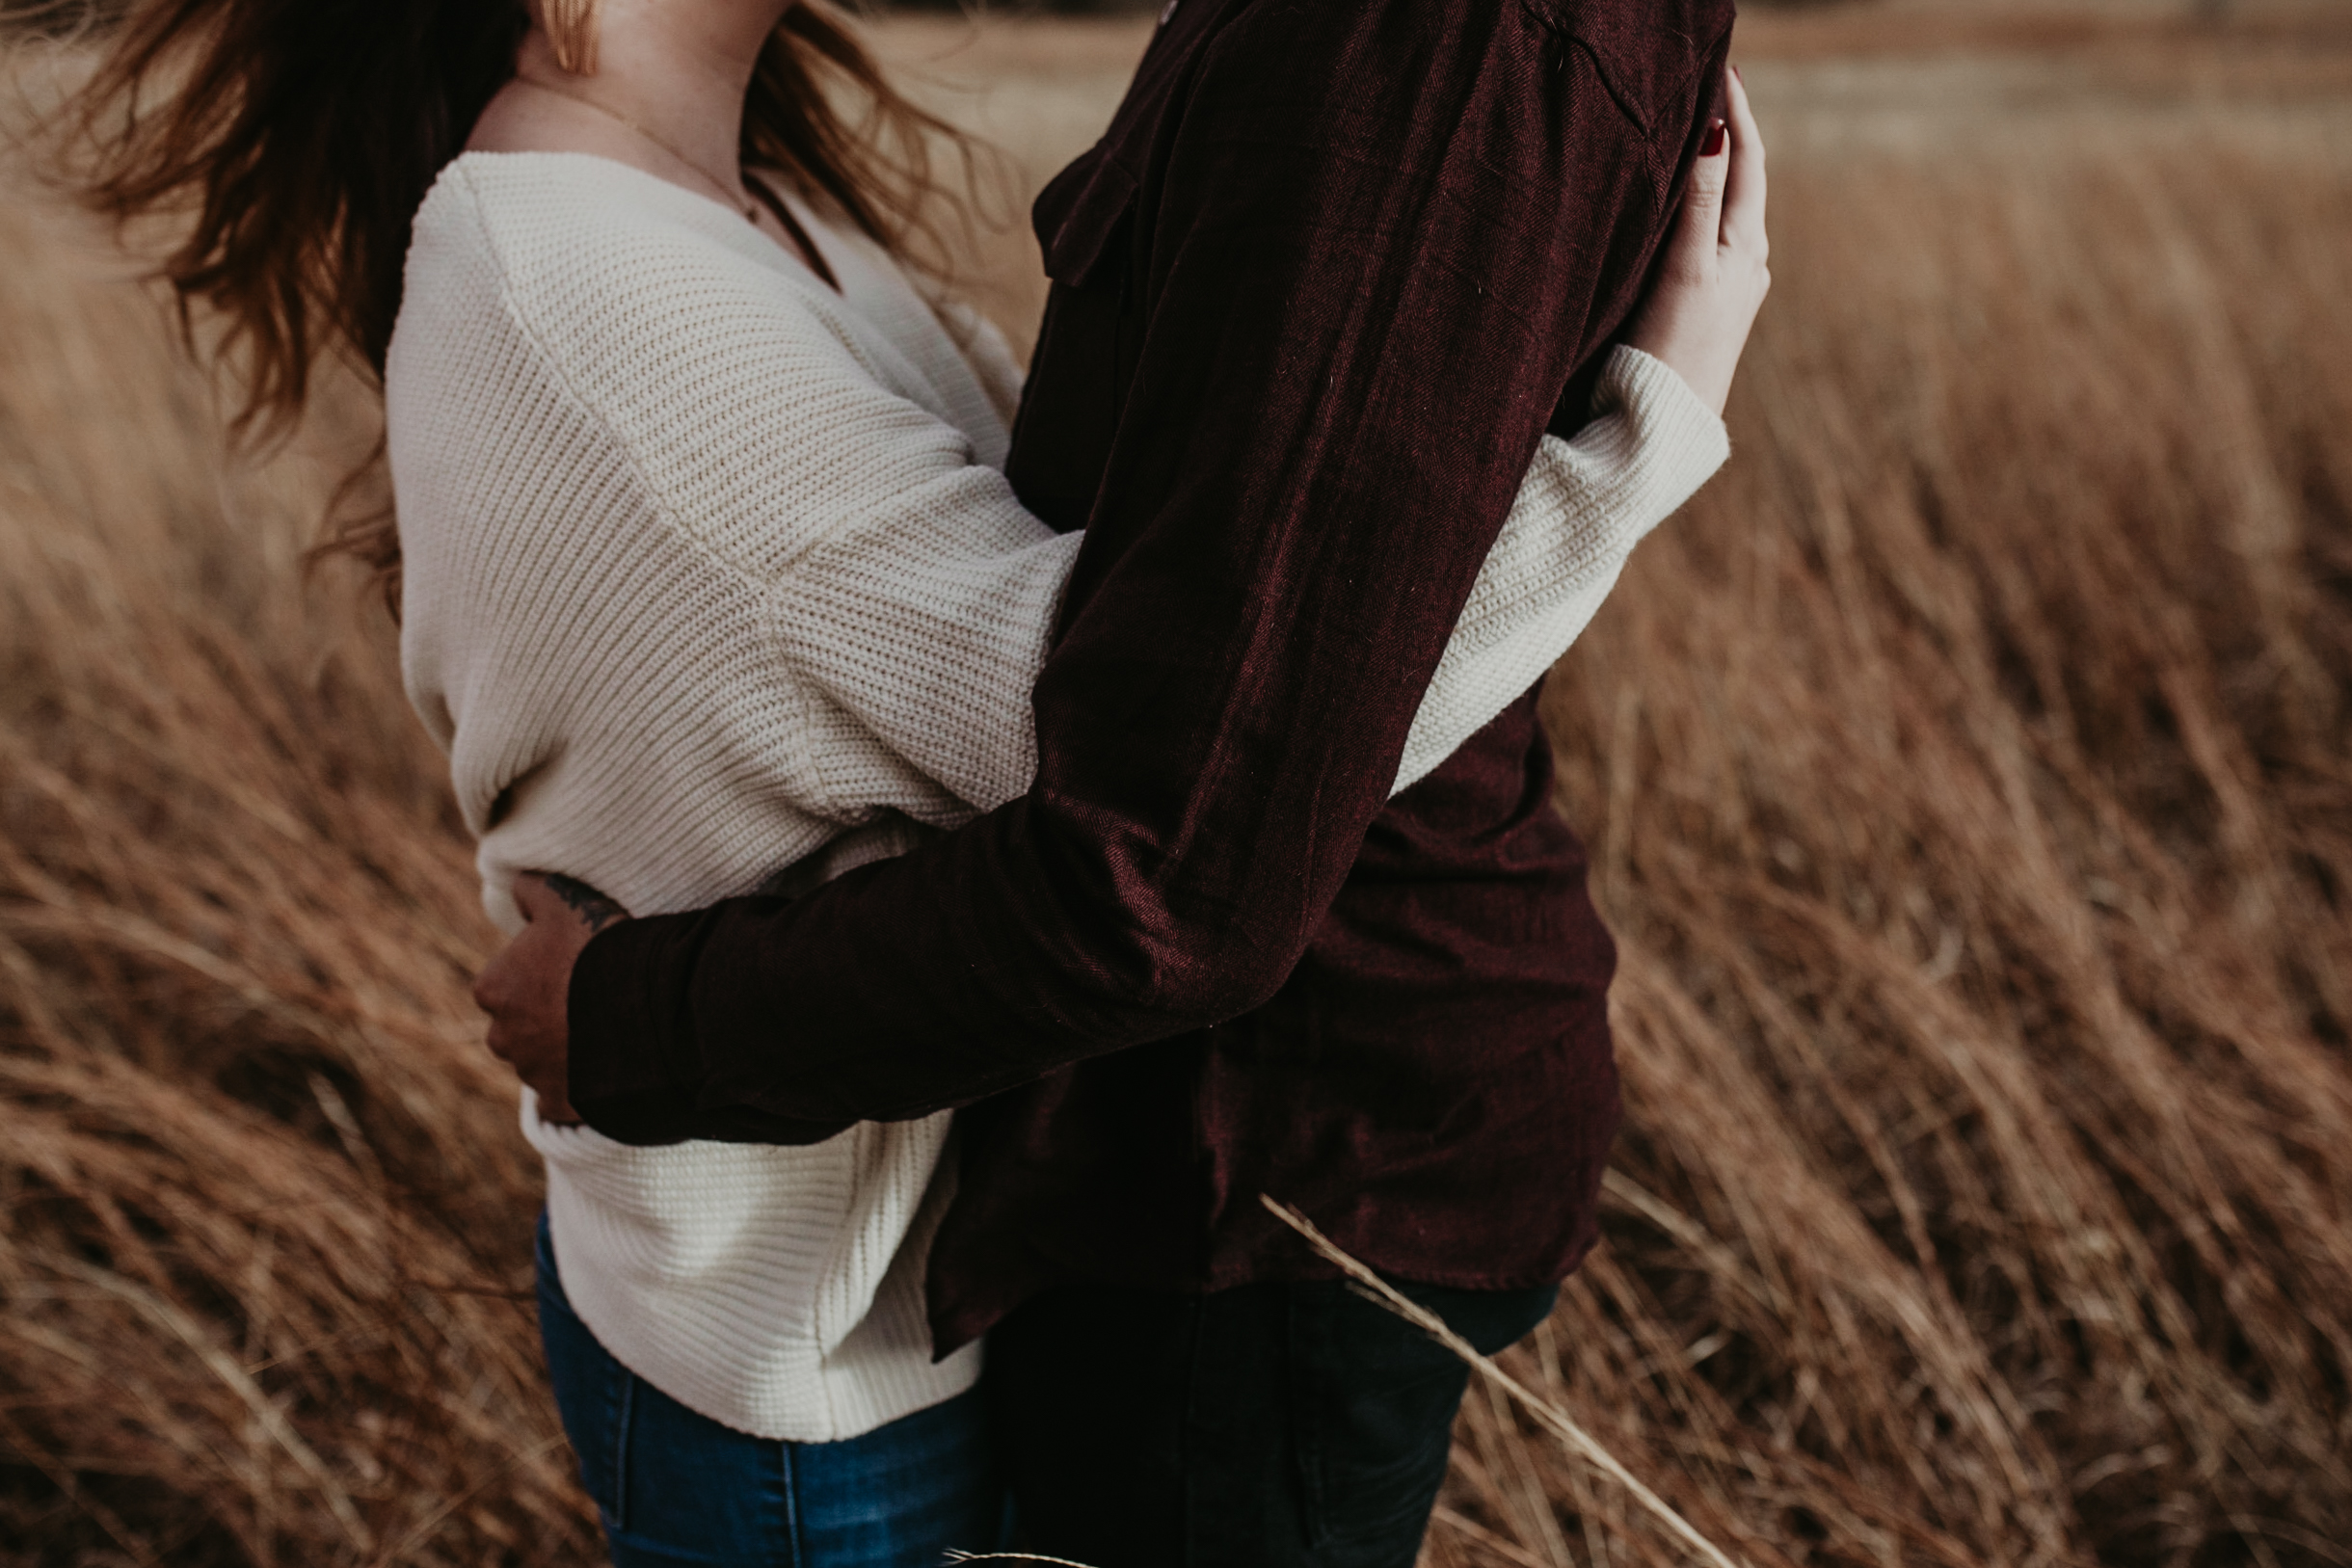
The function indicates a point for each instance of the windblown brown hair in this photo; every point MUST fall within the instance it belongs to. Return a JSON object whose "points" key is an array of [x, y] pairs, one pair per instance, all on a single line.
{"points": [[295, 140]]}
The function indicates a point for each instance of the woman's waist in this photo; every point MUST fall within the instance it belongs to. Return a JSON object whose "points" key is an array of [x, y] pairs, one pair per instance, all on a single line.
{"points": [[705, 1184], [685, 1209], [753, 1246]]}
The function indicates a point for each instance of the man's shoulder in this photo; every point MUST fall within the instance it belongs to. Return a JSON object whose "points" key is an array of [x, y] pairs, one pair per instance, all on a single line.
{"points": [[1645, 51]]}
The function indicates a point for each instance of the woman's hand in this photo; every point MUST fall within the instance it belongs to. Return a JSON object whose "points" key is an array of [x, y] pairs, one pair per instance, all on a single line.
{"points": [[526, 987], [1712, 278]]}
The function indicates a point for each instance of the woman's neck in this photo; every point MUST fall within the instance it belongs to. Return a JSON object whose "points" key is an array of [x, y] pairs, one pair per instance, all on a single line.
{"points": [[666, 96]]}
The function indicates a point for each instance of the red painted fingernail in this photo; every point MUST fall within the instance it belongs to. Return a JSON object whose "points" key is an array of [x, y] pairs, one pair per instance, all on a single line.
{"points": [[1716, 130]]}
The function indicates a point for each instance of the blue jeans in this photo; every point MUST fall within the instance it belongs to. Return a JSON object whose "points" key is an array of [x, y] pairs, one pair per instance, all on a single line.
{"points": [[676, 1487]]}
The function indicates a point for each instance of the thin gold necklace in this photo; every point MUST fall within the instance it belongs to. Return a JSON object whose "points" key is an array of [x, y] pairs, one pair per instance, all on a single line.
{"points": [[747, 207]]}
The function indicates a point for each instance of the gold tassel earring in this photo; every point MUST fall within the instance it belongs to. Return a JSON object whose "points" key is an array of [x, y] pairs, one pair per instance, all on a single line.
{"points": [[570, 26]]}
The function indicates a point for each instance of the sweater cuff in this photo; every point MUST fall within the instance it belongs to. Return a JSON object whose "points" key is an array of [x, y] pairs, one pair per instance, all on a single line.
{"points": [[1671, 419], [633, 1073]]}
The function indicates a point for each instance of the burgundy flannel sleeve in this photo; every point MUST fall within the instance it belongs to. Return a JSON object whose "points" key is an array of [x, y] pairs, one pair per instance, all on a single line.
{"points": [[1371, 251]]}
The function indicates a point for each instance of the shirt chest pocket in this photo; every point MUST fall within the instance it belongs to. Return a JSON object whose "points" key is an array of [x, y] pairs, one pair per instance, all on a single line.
{"points": [[1088, 345]]}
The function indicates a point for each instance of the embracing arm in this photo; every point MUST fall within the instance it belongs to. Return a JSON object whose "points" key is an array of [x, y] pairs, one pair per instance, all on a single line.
{"points": [[1584, 506], [931, 630]]}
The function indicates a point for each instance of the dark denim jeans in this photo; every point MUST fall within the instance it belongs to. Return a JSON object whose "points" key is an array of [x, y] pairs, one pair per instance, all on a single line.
{"points": [[676, 1487], [1278, 1425]]}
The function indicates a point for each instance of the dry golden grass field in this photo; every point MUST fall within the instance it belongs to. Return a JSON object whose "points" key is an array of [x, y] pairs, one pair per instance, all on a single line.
{"points": [[1966, 771]]}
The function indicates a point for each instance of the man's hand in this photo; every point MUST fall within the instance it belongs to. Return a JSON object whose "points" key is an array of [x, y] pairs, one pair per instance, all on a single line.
{"points": [[525, 988]]}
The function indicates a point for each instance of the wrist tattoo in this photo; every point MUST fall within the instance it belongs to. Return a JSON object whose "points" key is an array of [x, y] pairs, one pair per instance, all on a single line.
{"points": [[585, 901]]}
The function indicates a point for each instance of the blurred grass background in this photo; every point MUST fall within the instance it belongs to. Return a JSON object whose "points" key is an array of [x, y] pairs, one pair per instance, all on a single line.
{"points": [[1966, 773]]}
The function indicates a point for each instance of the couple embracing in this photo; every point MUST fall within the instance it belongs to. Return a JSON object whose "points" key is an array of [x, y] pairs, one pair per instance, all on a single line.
{"points": [[967, 838]]}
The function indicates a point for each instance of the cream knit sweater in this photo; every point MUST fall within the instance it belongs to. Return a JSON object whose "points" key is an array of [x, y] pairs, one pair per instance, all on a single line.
{"points": [[710, 572]]}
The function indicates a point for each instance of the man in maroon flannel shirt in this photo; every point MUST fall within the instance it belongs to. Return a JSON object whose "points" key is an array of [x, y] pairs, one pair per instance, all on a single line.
{"points": [[1332, 271]]}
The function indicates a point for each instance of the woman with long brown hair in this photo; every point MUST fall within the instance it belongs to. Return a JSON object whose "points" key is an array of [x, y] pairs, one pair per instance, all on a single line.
{"points": [[710, 582]]}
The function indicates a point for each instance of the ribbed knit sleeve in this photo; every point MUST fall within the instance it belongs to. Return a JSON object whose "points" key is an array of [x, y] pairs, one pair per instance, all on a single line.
{"points": [[1584, 507], [921, 625]]}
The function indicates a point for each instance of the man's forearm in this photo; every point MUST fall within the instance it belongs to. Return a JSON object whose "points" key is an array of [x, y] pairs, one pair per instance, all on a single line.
{"points": [[783, 1020]]}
